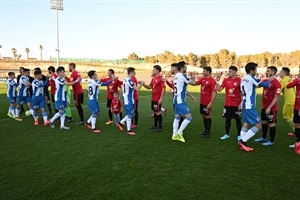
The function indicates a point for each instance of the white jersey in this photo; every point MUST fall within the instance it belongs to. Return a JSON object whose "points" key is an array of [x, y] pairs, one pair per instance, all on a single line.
{"points": [[248, 89], [180, 87], [93, 89], [23, 89], [11, 88], [60, 92], [128, 91]]}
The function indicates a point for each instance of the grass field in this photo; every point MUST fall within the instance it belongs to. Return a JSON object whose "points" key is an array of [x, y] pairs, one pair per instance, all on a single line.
{"points": [[44, 163]]}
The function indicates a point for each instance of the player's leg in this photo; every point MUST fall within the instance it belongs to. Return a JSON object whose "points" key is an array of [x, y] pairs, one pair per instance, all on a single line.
{"points": [[164, 110], [44, 112], [53, 101], [18, 109], [296, 119], [226, 115], [158, 117], [238, 123], [264, 125], [11, 109], [78, 101], [206, 114], [136, 114], [154, 108], [129, 112], [272, 127], [108, 105]]}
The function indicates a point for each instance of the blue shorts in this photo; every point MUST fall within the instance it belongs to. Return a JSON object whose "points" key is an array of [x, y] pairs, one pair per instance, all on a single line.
{"points": [[11, 100], [22, 99], [129, 109], [93, 106], [38, 102], [60, 105], [181, 109], [250, 116]]}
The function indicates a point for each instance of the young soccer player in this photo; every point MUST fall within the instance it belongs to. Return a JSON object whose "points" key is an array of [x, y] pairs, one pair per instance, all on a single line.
{"points": [[60, 97], [38, 97], [116, 107], [93, 91], [51, 71], [269, 108], [250, 115], [233, 100], [11, 94]]}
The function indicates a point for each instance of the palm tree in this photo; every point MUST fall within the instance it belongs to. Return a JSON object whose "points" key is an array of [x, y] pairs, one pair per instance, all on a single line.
{"points": [[41, 51], [14, 51], [27, 51]]}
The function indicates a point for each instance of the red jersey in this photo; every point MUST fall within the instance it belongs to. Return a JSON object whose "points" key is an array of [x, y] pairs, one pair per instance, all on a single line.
{"points": [[52, 83], [296, 83], [77, 87], [232, 90], [270, 93], [112, 88], [157, 85], [171, 85], [136, 93], [116, 105], [208, 86]]}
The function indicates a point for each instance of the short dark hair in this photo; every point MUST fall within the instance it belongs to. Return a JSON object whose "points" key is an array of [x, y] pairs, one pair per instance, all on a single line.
{"points": [[273, 68], [51, 68], [37, 68], [234, 68], [37, 72], [130, 69], [21, 68], [91, 73], [286, 70], [59, 69], [111, 71], [157, 67], [250, 66], [72, 65], [207, 69], [26, 70], [180, 65], [11, 73], [174, 65]]}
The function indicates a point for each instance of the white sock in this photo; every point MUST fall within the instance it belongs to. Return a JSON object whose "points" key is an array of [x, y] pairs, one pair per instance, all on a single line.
{"points": [[183, 126], [243, 132], [12, 111], [89, 120], [175, 126], [45, 116], [162, 109], [250, 133], [124, 119], [8, 110], [128, 123], [93, 120], [17, 112], [62, 120], [57, 115], [32, 113]]}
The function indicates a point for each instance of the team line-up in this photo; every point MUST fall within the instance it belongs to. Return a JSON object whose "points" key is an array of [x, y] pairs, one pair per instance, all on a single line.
{"points": [[240, 99]]}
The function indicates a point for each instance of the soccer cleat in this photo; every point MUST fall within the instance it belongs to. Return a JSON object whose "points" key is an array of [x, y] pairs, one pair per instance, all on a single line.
{"points": [[239, 137], [46, 123], [297, 146], [261, 139], [96, 130], [10, 115], [291, 134], [36, 122], [52, 124], [152, 115], [88, 125], [268, 143], [64, 127], [244, 147], [131, 133], [68, 120], [292, 146], [180, 138], [158, 129], [175, 137], [224, 137], [205, 135], [134, 126], [119, 125], [165, 112], [80, 123], [153, 127], [18, 119], [109, 122]]}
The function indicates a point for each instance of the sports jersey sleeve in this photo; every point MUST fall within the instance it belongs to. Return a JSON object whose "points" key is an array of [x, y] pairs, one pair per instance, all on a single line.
{"points": [[292, 84], [169, 84], [120, 83], [61, 81], [74, 76], [12, 83], [213, 85], [264, 84], [256, 81], [105, 83], [36, 83], [185, 79], [130, 83], [223, 83], [151, 83], [278, 88]]}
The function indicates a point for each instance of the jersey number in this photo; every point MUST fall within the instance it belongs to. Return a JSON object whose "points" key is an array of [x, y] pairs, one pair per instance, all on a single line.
{"points": [[90, 91]]}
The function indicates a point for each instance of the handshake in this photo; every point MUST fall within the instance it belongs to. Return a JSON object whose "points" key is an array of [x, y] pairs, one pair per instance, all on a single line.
{"points": [[141, 82]]}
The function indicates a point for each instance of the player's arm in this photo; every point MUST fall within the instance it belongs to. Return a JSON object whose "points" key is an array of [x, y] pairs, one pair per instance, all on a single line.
{"points": [[213, 94], [162, 93], [193, 81], [169, 84], [45, 83], [293, 83], [191, 96], [71, 83], [219, 87], [149, 87]]}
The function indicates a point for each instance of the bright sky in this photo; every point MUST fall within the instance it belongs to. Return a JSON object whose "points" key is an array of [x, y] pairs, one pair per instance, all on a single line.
{"points": [[115, 28]]}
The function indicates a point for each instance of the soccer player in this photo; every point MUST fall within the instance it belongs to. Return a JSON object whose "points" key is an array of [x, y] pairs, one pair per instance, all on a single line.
{"points": [[93, 91], [136, 104], [111, 89], [233, 100], [60, 97], [208, 94], [181, 109], [11, 94], [270, 98], [78, 91], [296, 118], [38, 97], [18, 82], [68, 108], [157, 86], [288, 96], [250, 115], [116, 107], [128, 96], [51, 71], [23, 93]]}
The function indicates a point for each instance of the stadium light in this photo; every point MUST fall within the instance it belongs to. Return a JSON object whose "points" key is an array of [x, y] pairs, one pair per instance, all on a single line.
{"points": [[57, 5]]}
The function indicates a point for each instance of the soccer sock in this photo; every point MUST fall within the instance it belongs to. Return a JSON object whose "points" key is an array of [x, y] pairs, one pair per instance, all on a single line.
{"points": [[49, 108], [32, 113], [35, 115], [162, 109], [180, 121], [227, 125], [159, 120], [121, 115], [17, 112], [68, 112], [207, 124], [250, 133], [155, 120], [62, 120], [272, 133], [238, 125], [8, 112], [80, 112], [128, 123], [109, 114], [45, 116], [175, 125], [90, 119], [93, 121], [264, 128], [136, 117], [297, 133], [243, 132], [184, 125], [12, 111], [57, 115], [124, 119]]}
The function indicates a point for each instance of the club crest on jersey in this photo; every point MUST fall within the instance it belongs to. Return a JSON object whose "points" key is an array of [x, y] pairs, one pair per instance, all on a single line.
{"points": [[206, 82]]}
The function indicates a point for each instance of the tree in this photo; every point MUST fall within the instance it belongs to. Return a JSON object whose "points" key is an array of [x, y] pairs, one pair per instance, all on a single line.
{"points": [[192, 59], [14, 52], [27, 51], [150, 59], [224, 57], [41, 51], [133, 56], [203, 61]]}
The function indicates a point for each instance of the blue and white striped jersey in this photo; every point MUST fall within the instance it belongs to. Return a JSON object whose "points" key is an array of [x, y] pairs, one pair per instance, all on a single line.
{"points": [[93, 88], [11, 88], [180, 87], [128, 91], [60, 92], [23, 90], [38, 87]]}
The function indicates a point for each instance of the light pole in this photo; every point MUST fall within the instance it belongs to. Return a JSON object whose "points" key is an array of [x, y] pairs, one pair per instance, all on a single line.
{"points": [[0, 51], [57, 5]]}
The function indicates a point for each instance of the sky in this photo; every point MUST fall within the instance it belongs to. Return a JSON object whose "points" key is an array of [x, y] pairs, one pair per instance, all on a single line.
{"points": [[112, 29]]}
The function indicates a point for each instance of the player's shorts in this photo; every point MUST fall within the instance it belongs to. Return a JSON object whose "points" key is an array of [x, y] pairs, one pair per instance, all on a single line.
{"points": [[129, 109], [78, 98], [38, 102], [93, 106], [250, 116], [288, 111], [60, 105], [11, 100], [270, 118], [52, 97], [22, 99], [204, 111], [231, 112], [108, 102], [155, 106], [47, 95], [296, 118], [181, 109]]}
